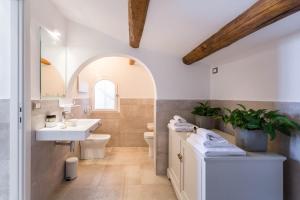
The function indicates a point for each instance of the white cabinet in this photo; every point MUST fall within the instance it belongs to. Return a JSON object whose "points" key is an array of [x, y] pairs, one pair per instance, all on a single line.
{"points": [[256, 176], [175, 160]]}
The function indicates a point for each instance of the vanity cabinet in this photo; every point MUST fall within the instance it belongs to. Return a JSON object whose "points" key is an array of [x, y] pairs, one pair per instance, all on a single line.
{"points": [[257, 176]]}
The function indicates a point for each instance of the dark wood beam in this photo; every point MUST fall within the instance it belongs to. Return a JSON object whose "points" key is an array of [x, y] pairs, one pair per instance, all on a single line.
{"points": [[259, 15], [137, 12]]}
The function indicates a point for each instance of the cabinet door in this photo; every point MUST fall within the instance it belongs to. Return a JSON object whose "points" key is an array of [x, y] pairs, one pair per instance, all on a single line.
{"points": [[174, 157], [191, 173]]}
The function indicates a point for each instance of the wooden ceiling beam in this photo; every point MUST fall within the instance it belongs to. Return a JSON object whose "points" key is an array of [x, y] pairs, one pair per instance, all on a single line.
{"points": [[137, 12], [259, 15]]}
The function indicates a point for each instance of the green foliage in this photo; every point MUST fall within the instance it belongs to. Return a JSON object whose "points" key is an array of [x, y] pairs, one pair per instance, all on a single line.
{"points": [[205, 110], [268, 121]]}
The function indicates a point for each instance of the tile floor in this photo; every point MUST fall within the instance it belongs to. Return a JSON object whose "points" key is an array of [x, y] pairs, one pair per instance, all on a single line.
{"points": [[125, 174]]}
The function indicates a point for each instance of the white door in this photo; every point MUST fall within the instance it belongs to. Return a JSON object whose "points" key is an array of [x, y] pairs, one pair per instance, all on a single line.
{"points": [[11, 98]]}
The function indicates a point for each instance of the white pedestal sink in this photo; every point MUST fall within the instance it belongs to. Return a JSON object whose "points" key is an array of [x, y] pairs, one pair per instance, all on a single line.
{"points": [[79, 132]]}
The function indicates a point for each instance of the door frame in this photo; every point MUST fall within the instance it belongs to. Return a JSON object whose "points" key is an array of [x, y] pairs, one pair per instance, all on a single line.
{"points": [[20, 106]]}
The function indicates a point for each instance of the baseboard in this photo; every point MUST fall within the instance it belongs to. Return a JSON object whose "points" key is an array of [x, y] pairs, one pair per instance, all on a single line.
{"points": [[172, 178]]}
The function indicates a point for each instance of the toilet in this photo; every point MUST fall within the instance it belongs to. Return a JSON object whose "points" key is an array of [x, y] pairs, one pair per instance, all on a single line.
{"points": [[149, 138], [94, 146]]}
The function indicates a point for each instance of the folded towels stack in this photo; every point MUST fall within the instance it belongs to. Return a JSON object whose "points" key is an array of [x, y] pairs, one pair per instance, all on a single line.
{"points": [[180, 124], [211, 144]]}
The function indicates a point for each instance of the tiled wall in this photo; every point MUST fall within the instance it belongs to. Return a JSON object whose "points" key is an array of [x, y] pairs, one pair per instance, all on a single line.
{"points": [[288, 146], [4, 149], [165, 110], [47, 160], [126, 127]]}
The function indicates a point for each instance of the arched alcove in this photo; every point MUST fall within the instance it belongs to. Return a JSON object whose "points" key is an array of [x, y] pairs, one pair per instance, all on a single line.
{"points": [[132, 112], [72, 80]]}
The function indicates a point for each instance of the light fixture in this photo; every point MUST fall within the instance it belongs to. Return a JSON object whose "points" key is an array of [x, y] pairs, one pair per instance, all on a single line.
{"points": [[131, 62], [54, 34]]}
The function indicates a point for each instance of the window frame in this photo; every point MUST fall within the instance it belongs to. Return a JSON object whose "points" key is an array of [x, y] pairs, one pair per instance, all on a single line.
{"points": [[116, 105]]}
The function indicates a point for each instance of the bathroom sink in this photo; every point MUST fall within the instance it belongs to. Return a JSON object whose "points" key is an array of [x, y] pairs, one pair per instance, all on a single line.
{"points": [[80, 131]]}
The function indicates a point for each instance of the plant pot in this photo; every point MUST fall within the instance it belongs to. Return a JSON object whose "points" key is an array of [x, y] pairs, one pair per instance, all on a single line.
{"points": [[253, 141], [205, 122]]}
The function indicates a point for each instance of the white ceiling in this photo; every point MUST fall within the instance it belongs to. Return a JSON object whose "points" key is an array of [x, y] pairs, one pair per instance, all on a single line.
{"points": [[172, 27]]}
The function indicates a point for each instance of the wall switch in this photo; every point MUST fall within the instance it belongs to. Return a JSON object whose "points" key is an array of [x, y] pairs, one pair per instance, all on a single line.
{"points": [[36, 105], [215, 70]]}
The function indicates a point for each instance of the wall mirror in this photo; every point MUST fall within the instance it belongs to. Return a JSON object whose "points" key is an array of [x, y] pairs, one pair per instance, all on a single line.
{"points": [[53, 64]]}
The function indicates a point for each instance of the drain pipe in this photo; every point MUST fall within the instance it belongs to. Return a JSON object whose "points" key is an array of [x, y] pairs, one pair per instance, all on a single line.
{"points": [[71, 144]]}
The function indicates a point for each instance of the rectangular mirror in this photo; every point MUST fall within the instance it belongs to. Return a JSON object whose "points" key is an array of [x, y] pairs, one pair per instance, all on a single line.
{"points": [[53, 64]]}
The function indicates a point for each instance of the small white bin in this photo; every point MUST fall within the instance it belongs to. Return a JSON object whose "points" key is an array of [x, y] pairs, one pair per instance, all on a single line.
{"points": [[71, 168]]}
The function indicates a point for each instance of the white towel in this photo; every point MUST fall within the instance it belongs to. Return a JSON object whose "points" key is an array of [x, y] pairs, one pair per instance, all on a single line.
{"points": [[211, 139], [190, 128], [231, 150], [179, 118], [176, 123], [209, 135], [206, 142]]}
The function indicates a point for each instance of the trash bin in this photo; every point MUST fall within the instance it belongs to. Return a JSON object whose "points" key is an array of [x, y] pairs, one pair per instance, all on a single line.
{"points": [[71, 168]]}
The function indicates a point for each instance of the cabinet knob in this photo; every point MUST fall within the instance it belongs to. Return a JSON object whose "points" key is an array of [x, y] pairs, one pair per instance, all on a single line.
{"points": [[179, 156]]}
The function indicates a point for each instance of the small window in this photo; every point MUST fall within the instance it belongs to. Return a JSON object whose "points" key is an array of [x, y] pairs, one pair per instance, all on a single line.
{"points": [[105, 95]]}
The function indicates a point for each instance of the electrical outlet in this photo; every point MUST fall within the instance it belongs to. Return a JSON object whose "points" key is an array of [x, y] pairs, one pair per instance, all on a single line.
{"points": [[215, 70]]}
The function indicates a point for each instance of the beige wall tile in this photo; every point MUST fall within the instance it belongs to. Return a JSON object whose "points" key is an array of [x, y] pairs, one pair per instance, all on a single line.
{"points": [[126, 127]]}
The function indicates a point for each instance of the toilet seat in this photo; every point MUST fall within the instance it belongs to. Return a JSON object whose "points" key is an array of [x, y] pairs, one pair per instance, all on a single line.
{"points": [[98, 137], [148, 135]]}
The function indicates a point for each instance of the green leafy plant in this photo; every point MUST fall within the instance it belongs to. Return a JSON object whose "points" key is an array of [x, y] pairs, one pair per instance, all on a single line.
{"points": [[205, 110], [268, 121]]}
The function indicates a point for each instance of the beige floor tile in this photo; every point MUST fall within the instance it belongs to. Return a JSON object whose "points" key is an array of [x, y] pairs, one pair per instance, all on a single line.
{"points": [[150, 192], [79, 194], [110, 193], [113, 175], [125, 173], [132, 174], [148, 176]]}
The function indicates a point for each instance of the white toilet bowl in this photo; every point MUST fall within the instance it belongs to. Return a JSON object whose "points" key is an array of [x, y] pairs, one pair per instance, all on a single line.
{"points": [[149, 138], [94, 146]]}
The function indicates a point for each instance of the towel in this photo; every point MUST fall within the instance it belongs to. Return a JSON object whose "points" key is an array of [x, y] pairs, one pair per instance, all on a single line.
{"points": [[179, 124], [215, 152], [230, 150], [210, 143], [210, 139], [189, 128], [179, 119]]}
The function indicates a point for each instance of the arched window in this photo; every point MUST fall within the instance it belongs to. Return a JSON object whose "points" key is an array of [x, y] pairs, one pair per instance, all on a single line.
{"points": [[105, 95]]}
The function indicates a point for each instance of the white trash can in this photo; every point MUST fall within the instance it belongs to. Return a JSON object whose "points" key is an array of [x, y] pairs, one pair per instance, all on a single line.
{"points": [[71, 168]]}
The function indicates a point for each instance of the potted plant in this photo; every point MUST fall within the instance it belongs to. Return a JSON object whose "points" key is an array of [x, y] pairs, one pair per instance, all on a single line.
{"points": [[206, 116], [252, 127]]}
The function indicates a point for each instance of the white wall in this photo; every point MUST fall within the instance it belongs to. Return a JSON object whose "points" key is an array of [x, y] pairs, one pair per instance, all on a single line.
{"points": [[173, 79], [43, 14], [133, 81], [5, 32], [270, 72]]}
